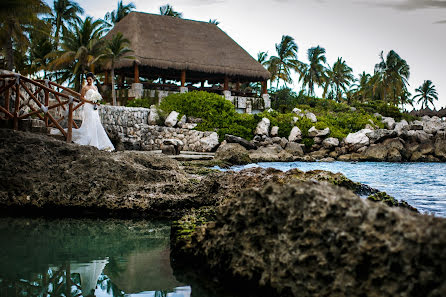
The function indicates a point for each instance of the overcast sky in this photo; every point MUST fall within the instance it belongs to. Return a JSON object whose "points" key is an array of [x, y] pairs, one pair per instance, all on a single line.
{"points": [[356, 30]]}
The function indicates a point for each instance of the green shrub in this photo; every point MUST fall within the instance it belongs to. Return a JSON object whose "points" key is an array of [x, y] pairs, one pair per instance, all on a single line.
{"points": [[308, 142], [216, 112]]}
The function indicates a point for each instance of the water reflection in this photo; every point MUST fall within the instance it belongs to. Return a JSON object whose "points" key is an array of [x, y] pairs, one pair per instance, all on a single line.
{"points": [[74, 258]]}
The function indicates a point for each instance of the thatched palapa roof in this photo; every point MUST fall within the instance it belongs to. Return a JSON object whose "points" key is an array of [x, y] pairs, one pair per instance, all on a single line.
{"points": [[170, 43]]}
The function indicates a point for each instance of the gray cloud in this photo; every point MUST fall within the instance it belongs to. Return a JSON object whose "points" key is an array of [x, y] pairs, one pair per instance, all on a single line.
{"points": [[413, 4]]}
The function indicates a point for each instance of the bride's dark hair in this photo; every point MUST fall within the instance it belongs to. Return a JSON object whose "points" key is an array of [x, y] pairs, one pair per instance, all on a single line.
{"points": [[89, 74]]}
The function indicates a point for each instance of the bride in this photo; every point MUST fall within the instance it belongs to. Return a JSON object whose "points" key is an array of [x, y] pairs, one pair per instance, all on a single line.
{"points": [[91, 131]]}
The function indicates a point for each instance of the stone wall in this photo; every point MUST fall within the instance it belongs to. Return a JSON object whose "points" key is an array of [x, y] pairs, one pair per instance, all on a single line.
{"points": [[129, 126]]}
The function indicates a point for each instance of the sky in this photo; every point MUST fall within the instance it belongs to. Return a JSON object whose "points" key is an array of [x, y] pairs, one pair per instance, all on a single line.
{"points": [[356, 30]]}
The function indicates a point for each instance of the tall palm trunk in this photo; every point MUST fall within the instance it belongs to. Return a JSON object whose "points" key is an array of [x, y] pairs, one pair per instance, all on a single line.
{"points": [[278, 76], [113, 83], [9, 50]]}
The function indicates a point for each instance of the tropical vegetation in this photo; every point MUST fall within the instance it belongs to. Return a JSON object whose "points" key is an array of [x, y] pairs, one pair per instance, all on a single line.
{"points": [[59, 43], [426, 94]]}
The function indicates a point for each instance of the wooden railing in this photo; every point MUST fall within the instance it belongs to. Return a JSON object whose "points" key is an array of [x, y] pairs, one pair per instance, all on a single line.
{"points": [[14, 87]]}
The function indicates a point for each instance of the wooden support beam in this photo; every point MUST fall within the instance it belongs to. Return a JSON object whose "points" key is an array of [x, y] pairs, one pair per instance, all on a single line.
{"points": [[7, 98], [237, 86], [16, 107], [183, 77], [264, 87], [226, 83], [47, 101], [6, 112], [70, 123], [136, 72]]}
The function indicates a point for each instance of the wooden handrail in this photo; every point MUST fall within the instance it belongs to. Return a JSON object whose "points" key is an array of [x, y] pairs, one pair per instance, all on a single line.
{"points": [[47, 87]]}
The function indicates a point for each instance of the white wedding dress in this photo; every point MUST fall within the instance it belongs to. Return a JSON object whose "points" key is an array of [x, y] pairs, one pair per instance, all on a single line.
{"points": [[92, 132]]}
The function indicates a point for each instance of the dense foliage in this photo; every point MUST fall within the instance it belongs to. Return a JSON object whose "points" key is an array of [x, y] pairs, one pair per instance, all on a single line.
{"points": [[216, 113], [219, 115]]}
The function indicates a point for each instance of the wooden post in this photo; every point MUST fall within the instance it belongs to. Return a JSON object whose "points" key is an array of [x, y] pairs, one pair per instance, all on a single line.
{"points": [[226, 83], [136, 72], [47, 103], [183, 77], [16, 107], [264, 87], [237, 86], [70, 122], [7, 99]]}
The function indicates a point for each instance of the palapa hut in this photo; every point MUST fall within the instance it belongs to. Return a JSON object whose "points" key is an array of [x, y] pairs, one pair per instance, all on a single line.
{"points": [[186, 51]]}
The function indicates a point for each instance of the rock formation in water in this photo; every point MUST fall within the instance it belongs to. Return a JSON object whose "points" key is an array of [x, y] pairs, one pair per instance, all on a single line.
{"points": [[315, 239]]}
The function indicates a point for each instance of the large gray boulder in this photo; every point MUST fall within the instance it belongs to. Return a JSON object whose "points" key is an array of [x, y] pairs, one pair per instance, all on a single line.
{"points": [[330, 142], [294, 149], [357, 139], [153, 116], [416, 125], [243, 142], [313, 132], [210, 142], [432, 126], [401, 126], [263, 127], [389, 122], [311, 116], [295, 134], [232, 153], [381, 134], [417, 135], [266, 153], [316, 239], [376, 152], [274, 131], [440, 147], [172, 119]]}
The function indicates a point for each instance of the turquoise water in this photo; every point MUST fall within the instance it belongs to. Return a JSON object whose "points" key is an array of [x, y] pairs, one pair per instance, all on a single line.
{"points": [[69, 257], [423, 185], [102, 258]]}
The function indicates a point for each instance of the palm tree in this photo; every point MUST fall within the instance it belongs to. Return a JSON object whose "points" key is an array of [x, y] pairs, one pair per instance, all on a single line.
{"points": [[426, 94], [115, 50], [65, 13], [341, 77], [362, 89], [262, 58], [40, 49], [16, 18], [394, 72], [117, 15], [314, 72], [281, 65], [214, 21], [80, 48], [168, 10]]}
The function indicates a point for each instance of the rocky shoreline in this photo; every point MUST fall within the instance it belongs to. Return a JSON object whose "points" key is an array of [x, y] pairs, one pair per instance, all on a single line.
{"points": [[288, 233], [418, 141]]}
